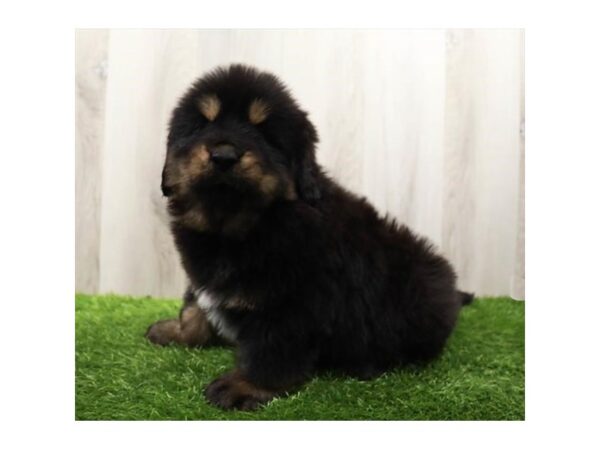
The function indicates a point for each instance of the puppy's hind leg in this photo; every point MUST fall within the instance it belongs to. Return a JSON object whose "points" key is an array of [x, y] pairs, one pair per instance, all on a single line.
{"points": [[191, 328]]}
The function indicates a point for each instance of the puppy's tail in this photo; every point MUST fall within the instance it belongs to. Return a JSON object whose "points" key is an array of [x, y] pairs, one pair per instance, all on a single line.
{"points": [[466, 298]]}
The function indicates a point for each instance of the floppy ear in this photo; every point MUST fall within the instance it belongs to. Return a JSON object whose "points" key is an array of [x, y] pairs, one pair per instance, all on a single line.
{"points": [[164, 187], [307, 180], [308, 172]]}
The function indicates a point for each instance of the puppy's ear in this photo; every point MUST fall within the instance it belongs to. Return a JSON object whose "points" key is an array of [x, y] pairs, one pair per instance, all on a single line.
{"points": [[308, 173], [164, 187], [307, 181]]}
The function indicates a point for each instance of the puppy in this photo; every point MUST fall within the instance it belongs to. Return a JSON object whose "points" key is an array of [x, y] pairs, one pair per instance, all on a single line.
{"points": [[298, 273]]}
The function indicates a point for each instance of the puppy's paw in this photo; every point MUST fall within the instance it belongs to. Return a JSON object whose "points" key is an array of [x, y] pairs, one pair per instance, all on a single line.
{"points": [[164, 332], [233, 391]]}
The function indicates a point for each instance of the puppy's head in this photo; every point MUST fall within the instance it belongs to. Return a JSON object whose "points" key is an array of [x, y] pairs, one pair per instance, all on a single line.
{"points": [[238, 141]]}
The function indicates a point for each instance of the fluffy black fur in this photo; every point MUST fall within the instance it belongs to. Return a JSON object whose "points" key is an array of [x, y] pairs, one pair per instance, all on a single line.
{"points": [[308, 277]]}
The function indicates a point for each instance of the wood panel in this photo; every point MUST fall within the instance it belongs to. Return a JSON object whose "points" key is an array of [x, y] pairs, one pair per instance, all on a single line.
{"points": [[148, 71], [424, 123], [90, 89], [481, 156]]}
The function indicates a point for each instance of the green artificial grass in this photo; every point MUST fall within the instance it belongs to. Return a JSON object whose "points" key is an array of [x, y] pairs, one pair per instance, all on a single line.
{"points": [[120, 376]]}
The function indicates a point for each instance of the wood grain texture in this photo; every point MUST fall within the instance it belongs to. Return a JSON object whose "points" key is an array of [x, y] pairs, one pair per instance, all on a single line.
{"points": [[90, 90], [149, 70], [423, 123], [518, 281], [481, 156]]}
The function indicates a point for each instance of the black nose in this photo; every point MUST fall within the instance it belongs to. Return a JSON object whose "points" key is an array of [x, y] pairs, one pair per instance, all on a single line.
{"points": [[224, 155]]}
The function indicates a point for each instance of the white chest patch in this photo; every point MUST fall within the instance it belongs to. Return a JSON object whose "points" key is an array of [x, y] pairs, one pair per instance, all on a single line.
{"points": [[207, 303]]}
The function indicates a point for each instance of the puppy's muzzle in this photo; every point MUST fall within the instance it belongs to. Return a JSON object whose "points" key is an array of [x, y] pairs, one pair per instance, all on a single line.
{"points": [[224, 155]]}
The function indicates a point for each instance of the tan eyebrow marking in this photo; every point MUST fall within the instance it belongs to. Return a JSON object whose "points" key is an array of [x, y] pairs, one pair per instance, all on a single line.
{"points": [[209, 106], [258, 111]]}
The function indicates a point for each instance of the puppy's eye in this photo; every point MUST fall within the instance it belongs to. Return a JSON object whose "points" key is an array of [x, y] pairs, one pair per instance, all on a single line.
{"points": [[258, 111]]}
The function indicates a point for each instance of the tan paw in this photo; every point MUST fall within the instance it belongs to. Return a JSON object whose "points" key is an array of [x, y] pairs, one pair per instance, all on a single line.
{"points": [[164, 332]]}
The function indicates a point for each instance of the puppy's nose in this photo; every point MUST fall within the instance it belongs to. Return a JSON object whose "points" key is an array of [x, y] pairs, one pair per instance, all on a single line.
{"points": [[224, 155]]}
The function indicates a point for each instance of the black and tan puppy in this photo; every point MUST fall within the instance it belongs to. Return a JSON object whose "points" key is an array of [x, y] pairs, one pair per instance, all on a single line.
{"points": [[296, 272]]}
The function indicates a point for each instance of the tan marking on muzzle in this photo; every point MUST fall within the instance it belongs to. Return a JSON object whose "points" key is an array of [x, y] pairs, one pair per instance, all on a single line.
{"points": [[249, 167], [197, 162], [270, 184], [209, 106], [180, 173]]}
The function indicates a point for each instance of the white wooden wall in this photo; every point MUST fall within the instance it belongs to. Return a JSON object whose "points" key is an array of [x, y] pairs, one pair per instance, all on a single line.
{"points": [[427, 124]]}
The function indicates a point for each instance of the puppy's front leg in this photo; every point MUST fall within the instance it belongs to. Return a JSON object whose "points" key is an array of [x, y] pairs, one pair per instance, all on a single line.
{"points": [[271, 363], [191, 328], [234, 390]]}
